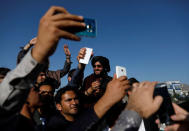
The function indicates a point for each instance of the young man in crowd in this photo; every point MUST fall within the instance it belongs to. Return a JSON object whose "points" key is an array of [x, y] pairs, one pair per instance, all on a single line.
{"points": [[71, 117]]}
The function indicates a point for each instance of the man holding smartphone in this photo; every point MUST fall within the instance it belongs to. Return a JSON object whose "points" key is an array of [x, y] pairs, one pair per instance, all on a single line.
{"points": [[95, 84]]}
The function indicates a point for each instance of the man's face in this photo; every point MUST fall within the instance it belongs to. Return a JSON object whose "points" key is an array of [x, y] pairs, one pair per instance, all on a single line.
{"points": [[69, 104], [98, 68], [46, 90], [46, 94], [41, 77]]}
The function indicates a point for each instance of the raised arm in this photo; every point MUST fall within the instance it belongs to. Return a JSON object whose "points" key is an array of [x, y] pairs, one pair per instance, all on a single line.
{"points": [[25, 49], [141, 104], [15, 87]]}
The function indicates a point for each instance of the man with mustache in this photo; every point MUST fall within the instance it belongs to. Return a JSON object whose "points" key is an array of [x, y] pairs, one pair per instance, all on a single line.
{"points": [[70, 117], [95, 84]]}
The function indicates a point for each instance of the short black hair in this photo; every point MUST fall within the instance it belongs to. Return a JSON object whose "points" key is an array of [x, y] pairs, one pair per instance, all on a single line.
{"points": [[49, 81], [132, 80], [60, 92], [4, 71], [103, 60]]}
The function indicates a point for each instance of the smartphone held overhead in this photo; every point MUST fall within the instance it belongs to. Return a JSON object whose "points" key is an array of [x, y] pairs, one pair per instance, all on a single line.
{"points": [[90, 29], [120, 71], [87, 57]]}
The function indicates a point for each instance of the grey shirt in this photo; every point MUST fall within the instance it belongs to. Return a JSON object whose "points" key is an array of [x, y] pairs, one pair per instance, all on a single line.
{"points": [[128, 121], [15, 86]]}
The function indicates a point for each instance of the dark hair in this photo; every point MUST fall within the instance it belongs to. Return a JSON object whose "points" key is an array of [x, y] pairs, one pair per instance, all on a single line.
{"points": [[71, 72], [103, 60], [4, 71], [49, 81], [60, 92], [132, 81]]}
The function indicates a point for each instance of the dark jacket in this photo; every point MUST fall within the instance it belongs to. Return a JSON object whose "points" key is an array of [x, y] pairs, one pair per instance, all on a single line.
{"points": [[83, 122]]}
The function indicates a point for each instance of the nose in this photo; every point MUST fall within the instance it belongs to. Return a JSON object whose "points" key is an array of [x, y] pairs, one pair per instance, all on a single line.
{"points": [[74, 102], [43, 76]]}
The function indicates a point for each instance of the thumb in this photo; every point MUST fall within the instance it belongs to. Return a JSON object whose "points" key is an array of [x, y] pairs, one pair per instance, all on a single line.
{"points": [[157, 103], [115, 77]]}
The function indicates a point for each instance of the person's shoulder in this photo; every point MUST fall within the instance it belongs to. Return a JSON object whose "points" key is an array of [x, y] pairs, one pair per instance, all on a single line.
{"points": [[57, 119], [109, 78], [89, 76]]}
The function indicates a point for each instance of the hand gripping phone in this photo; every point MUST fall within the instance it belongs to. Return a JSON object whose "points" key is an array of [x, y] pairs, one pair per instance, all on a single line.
{"points": [[166, 109], [120, 71], [88, 54]]}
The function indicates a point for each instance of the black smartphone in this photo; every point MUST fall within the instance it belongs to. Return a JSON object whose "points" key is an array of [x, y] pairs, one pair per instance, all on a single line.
{"points": [[166, 109]]}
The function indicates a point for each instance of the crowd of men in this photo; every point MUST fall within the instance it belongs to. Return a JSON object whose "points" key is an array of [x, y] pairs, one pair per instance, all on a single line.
{"points": [[95, 103]]}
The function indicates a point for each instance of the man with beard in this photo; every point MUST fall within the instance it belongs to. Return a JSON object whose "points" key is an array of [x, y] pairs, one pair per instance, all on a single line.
{"points": [[71, 117], [95, 84]]}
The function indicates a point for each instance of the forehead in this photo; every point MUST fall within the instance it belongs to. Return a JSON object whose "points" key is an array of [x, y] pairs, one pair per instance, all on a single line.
{"points": [[45, 88], [42, 73], [98, 63], [68, 95]]}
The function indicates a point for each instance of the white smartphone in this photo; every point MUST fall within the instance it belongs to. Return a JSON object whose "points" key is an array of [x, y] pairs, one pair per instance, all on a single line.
{"points": [[88, 54], [121, 71]]}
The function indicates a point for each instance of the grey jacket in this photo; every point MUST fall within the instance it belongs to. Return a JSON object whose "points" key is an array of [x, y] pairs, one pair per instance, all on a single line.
{"points": [[15, 86], [128, 121]]}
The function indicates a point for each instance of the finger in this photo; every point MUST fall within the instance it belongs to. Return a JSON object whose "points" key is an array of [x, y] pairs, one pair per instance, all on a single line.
{"points": [[179, 117], [34, 40], [151, 87], [122, 78], [157, 121], [115, 77], [125, 83], [178, 109], [64, 24], [125, 87], [80, 56], [82, 52], [62, 16], [157, 103], [142, 84], [55, 9], [173, 127], [68, 35]]}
